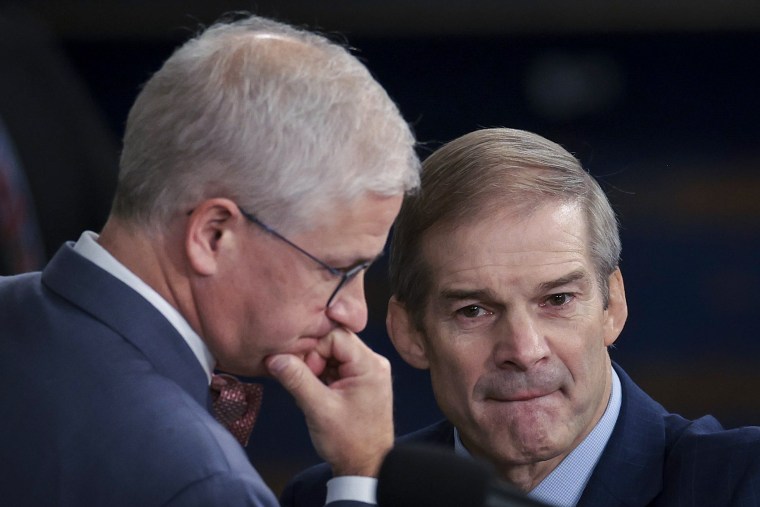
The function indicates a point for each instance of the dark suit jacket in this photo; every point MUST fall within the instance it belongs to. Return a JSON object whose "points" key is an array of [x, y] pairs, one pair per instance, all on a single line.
{"points": [[653, 458], [104, 403]]}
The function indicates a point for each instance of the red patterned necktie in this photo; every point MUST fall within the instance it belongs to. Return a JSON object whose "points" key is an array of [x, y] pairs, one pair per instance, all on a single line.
{"points": [[236, 405]]}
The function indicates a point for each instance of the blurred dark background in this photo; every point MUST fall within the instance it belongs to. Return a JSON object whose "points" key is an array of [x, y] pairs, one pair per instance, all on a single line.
{"points": [[659, 100]]}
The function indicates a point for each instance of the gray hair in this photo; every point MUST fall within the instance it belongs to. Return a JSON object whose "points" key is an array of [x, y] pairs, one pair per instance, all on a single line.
{"points": [[280, 120], [489, 170]]}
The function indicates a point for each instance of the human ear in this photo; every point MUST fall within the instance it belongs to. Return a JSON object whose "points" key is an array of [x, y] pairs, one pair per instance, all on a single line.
{"points": [[408, 340], [617, 309], [209, 228]]}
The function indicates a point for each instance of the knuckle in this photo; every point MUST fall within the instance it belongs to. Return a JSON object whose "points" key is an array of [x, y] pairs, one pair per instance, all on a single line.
{"points": [[384, 365]]}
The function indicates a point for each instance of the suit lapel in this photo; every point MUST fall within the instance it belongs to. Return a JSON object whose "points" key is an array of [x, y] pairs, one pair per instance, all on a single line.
{"points": [[120, 308], [631, 468]]}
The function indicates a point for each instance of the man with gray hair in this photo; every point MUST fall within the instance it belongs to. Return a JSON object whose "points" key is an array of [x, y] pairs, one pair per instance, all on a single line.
{"points": [[261, 170], [506, 287]]}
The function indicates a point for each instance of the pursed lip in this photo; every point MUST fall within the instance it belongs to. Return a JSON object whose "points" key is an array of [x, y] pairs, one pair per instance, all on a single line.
{"points": [[519, 396]]}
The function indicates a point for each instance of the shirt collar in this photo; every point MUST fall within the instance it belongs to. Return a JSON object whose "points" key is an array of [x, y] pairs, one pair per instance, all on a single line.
{"points": [[88, 247], [565, 484]]}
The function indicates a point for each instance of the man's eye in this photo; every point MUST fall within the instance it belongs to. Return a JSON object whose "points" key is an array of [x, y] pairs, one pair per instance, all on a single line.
{"points": [[558, 299], [472, 311]]}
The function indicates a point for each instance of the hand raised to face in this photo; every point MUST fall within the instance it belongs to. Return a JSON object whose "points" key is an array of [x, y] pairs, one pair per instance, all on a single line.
{"points": [[344, 390]]}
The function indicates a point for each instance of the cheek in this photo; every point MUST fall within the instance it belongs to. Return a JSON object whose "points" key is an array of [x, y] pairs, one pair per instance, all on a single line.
{"points": [[581, 344], [453, 373], [588, 366], [218, 305]]}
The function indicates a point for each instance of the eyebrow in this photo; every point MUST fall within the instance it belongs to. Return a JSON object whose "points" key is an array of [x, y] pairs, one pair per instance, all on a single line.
{"points": [[456, 295], [563, 280], [483, 294]]}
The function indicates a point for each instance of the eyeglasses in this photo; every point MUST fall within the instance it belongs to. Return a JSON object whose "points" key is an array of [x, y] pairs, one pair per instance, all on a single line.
{"points": [[345, 274]]}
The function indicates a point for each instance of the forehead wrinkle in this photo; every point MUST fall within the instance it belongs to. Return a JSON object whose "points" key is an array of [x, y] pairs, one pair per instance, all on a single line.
{"points": [[489, 284], [574, 276], [510, 264], [460, 294], [470, 250]]}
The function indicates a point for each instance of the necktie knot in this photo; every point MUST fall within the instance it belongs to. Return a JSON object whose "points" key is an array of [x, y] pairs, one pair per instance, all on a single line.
{"points": [[235, 405]]}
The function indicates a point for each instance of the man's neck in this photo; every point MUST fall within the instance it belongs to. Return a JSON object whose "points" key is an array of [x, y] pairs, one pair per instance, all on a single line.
{"points": [[143, 254], [145, 263]]}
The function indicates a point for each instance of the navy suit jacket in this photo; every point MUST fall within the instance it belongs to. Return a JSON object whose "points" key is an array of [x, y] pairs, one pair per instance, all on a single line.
{"points": [[653, 458], [103, 401]]}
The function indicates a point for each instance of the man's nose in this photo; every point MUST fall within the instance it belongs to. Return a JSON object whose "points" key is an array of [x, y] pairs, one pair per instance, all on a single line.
{"points": [[349, 306], [521, 343]]}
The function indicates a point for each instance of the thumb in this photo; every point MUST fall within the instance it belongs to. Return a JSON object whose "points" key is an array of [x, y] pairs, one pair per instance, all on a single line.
{"points": [[295, 376]]}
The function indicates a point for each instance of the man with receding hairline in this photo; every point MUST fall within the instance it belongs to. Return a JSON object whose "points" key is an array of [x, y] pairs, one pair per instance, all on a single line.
{"points": [[507, 288], [262, 168]]}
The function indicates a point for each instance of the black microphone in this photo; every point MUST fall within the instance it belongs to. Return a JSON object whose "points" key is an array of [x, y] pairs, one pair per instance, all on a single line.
{"points": [[421, 476]]}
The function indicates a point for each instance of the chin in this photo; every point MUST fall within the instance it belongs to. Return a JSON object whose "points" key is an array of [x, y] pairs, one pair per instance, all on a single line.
{"points": [[523, 449], [542, 444], [511, 453], [522, 441]]}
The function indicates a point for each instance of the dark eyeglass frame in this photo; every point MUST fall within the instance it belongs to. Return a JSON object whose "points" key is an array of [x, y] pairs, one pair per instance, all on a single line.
{"points": [[345, 274]]}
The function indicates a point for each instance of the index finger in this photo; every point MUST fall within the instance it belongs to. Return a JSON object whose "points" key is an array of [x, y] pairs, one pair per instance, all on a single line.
{"points": [[345, 350]]}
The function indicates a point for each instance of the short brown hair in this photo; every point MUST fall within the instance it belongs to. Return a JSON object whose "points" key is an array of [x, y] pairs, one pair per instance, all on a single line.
{"points": [[494, 169]]}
